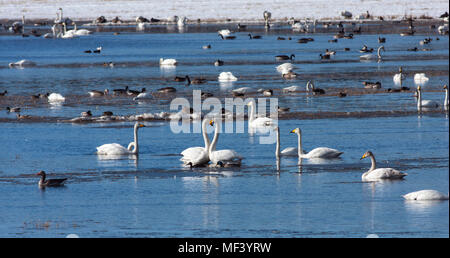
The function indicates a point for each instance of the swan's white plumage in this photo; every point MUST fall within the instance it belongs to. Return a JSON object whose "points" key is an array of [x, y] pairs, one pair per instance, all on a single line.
{"points": [[55, 97], [224, 156], [254, 121], [198, 155], [292, 88], [323, 153], [374, 173], [112, 149], [227, 76], [285, 68], [169, 61], [420, 78], [425, 195], [23, 63]]}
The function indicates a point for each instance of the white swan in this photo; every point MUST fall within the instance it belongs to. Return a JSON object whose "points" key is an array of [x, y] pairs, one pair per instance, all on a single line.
{"points": [[425, 195], [169, 61], [197, 156], [227, 76], [117, 149], [320, 152], [420, 78], [380, 173], [372, 56], [22, 63], [423, 103], [244, 90], [224, 32], [446, 101], [81, 32], [67, 34], [285, 68], [55, 98], [222, 157], [143, 95], [399, 77], [292, 88], [253, 121], [289, 151]]}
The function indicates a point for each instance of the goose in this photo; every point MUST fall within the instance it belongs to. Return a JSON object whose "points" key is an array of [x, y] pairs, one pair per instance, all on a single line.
{"points": [[195, 80], [107, 113], [198, 156], [180, 79], [117, 149], [229, 157], [425, 195], [22, 63], [227, 76], [420, 78], [324, 56], [316, 91], [120, 91], [254, 37], [218, 62], [372, 85], [20, 117], [371, 56], [86, 114], [320, 152], [285, 57], [424, 103], [97, 93], [283, 109], [98, 50], [241, 26], [13, 109], [167, 90], [399, 77], [170, 61], [55, 98], [43, 182], [3, 93], [381, 40], [227, 37], [254, 121], [380, 173], [292, 88]]}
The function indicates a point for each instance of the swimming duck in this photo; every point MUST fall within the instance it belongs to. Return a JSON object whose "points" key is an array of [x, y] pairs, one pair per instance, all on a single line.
{"points": [[285, 57], [218, 62], [49, 182]]}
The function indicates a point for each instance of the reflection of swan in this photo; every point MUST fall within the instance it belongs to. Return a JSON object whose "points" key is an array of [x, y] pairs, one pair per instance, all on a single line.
{"points": [[196, 156], [399, 77], [117, 149], [379, 173], [320, 152], [424, 102], [227, 76], [420, 78], [222, 157], [260, 121], [372, 56], [425, 195], [169, 61]]}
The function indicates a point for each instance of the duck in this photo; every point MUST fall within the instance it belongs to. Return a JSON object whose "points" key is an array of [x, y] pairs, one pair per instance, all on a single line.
{"points": [[372, 85], [365, 49], [289, 75], [97, 93], [20, 117], [13, 109], [180, 79], [381, 40], [324, 56], [218, 62], [227, 37], [328, 52], [3, 93], [135, 92], [98, 50], [43, 182], [285, 57], [195, 80]]}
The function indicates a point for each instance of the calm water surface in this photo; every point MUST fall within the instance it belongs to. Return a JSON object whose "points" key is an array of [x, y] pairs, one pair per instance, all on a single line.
{"points": [[154, 196]]}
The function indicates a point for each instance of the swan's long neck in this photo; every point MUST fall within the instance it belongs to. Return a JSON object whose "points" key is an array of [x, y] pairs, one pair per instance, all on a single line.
{"points": [[252, 111], [205, 135], [215, 139], [379, 52], [74, 27], [277, 150], [446, 99], [299, 149], [135, 143], [419, 99], [374, 163]]}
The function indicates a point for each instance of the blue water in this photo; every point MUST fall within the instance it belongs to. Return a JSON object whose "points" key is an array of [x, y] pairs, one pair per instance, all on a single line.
{"points": [[154, 196]]}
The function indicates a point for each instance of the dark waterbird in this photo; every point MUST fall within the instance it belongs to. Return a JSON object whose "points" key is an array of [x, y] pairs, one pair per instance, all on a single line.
{"points": [[49, 182]]}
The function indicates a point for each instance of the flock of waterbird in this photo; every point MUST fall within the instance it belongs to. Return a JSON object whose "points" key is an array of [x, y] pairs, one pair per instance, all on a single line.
{"points": [[202, 156]]}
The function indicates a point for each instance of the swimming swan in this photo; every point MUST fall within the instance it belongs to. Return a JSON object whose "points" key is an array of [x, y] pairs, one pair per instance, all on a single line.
{"points": [[117, 149], [320, 152], [425, 195], [196, 156], [289, 151], [170, 61], [55, 98], [372, 56], [399, 77], [227, 76], [423, 102], [22, 63], [420, 78], [224, 157], [253, 121], [380, 173]]}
